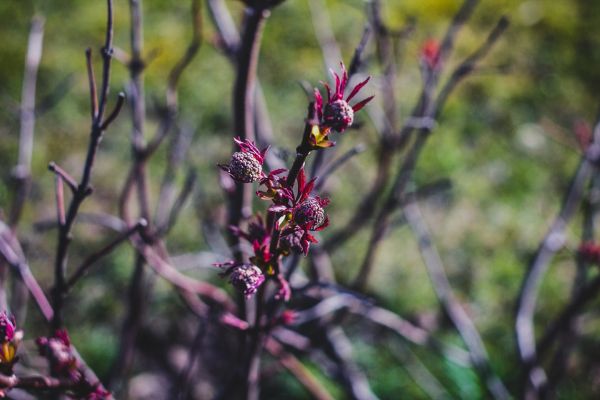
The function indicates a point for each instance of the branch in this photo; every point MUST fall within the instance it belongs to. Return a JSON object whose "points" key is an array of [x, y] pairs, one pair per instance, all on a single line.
{"points": [[83, 188], [94, 257], [565, 318], [552, 242], [300, 372], [240, 202], [460, 319], [392, 142], [22, 171], [427, 109]]}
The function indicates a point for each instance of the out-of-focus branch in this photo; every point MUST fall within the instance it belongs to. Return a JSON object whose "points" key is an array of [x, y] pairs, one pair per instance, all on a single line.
{"points": [[382, 317], [171, 106], [460, 319], [168, 272], [22, 171], [566, 340], [393, 142], [430, 109], [38, 383], [564, 319], [552, 242], [322, 25], [296, 368], [229, 36], [340, 349], [336, 164], [11, 252], [104, 251]]}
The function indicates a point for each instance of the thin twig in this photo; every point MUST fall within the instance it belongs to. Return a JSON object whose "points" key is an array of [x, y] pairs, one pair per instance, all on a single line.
{"points": [[391, 141], [83, 188], [66, 178], [104, 251], [443, 290], [430, 109]]}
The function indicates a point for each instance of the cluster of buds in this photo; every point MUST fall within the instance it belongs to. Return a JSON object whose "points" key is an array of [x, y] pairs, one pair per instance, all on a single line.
{"points": [[10, 339], [244, 277], [245, 165], [337, 114], [64, 364], [295, 211], [58, 350]]}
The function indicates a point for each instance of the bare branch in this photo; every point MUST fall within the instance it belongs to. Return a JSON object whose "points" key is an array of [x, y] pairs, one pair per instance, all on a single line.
{"points": [[460, 319], [104, 251]]}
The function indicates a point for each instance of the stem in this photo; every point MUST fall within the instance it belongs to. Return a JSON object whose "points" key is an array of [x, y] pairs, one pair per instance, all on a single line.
{"points": [[240, 206], [84, 188]]}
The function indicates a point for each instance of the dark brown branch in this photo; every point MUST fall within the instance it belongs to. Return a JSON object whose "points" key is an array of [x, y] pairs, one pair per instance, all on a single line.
{"points": [[380, 316], [104, 251], [60, 201], [64, 175], [168, 272], [115, 112], [83, 188], [92, 84], [240, 206]]}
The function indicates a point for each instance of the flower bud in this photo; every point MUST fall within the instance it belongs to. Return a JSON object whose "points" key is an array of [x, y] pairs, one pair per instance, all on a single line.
{"points": [[310, 212], [244, 167], [246, 278], [338, 115]]}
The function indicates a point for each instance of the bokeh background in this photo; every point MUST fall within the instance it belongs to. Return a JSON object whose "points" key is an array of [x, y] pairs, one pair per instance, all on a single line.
{"points": [[505, 141]]}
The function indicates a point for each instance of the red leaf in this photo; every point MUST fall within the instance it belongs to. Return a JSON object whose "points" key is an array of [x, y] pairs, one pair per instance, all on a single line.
{"points": [[357, 88], [361, 104]]}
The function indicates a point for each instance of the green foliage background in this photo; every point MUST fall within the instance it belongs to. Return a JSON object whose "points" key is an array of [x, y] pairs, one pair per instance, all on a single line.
{"points": [[505, 140]]}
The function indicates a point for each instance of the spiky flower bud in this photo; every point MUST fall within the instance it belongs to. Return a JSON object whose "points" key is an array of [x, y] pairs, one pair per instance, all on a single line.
{"points": [[7, 327], [310, 212], [58, 349], [10, 339], [246, 278], [338, 114], [244, 167]]}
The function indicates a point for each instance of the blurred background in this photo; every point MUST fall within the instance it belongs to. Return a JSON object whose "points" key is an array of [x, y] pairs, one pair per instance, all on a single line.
{"points": [[505, 141]]}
